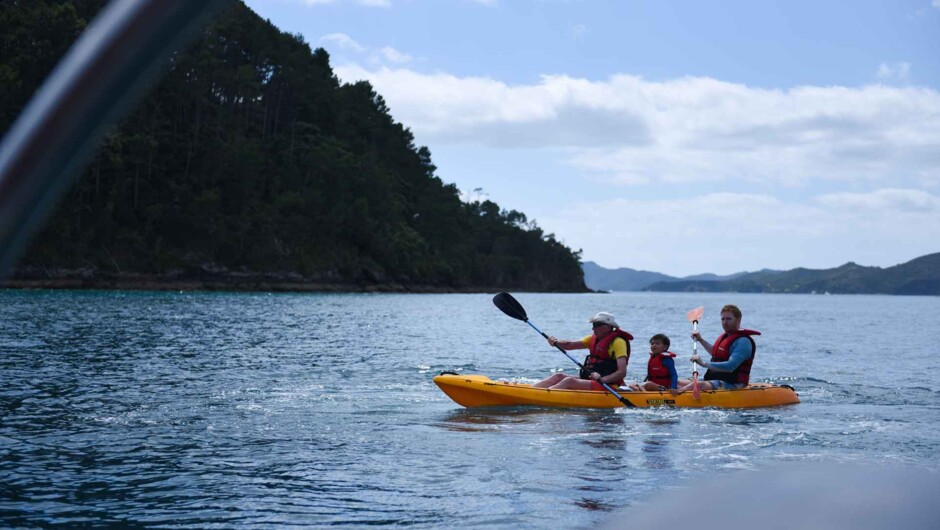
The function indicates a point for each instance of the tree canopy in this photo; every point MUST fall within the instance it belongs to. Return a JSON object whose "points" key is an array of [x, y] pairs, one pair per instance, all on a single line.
{"points": [[249, 157]]}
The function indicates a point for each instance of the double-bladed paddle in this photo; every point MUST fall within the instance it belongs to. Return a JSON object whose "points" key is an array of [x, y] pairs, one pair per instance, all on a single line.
{"points": [[509, 305], [693, 317]]}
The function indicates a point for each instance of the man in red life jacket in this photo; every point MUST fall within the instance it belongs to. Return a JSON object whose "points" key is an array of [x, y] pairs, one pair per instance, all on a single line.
{"points": [[731, 355], [607, 361]]}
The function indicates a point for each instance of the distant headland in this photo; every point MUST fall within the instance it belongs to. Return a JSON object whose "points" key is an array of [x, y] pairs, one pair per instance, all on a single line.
{"points": [[920, 276]]}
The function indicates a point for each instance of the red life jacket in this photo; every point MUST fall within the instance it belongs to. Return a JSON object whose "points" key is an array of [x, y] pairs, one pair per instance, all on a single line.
{"points": [[599, 359], [657, 372], [721, 351]]}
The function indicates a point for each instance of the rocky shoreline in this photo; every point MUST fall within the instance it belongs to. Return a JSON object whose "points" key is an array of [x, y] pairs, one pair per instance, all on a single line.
{"points": [[205, 279]]}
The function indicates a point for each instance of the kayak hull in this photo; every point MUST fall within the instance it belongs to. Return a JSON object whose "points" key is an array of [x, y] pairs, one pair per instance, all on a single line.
{"points": [[481, 391]]}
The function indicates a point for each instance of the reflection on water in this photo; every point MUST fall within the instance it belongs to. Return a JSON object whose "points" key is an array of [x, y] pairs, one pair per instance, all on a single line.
{"points": [[491, 418], [665, 420], [657, 454], [751, 418], [606, 442], [594, 505]]}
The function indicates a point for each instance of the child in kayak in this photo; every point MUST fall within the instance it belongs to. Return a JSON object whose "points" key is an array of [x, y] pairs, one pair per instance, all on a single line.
{"points": [[661, 370]]}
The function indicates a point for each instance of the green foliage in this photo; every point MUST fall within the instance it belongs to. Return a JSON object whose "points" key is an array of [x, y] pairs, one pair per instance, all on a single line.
{"points": [[251, 157]]}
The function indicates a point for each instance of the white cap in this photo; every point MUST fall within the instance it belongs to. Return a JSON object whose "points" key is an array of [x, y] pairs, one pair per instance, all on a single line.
{"points": [[604, 318]]}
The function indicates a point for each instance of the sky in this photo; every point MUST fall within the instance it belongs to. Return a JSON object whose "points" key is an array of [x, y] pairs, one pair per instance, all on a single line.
{"points": [[679, 137]]}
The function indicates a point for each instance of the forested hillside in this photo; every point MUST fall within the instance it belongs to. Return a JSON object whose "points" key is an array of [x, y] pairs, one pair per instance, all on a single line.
{"points": [[251, 160]]}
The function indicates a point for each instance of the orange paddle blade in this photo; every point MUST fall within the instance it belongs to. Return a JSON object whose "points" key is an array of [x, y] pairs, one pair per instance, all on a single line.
{"points": [[695, 314]]}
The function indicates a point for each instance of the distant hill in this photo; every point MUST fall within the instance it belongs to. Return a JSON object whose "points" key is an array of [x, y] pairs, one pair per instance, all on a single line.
{"points": [[625, 279], [920, 276]]}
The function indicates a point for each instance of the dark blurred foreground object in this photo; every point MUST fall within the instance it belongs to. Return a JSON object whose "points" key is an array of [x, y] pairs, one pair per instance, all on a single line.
{"points": [[796, 497], [97, 82]]}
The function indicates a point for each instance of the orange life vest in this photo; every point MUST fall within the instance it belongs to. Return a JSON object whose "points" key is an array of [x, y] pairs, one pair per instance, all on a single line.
{"points": [[657, 372], [721, 351], [599, 359]]}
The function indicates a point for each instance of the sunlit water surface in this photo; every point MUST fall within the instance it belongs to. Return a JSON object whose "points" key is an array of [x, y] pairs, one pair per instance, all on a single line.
{"points": [[209, 410]]}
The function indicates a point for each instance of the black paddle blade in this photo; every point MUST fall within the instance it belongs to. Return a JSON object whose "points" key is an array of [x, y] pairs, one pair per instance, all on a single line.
{"points": [[507, 304]]}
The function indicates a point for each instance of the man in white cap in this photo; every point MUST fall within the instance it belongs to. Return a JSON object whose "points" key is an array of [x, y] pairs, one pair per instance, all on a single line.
{"points": [[606, 363]]}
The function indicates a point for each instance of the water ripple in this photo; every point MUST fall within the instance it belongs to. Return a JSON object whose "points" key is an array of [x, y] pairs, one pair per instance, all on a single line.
{"points": [[219, 410]]}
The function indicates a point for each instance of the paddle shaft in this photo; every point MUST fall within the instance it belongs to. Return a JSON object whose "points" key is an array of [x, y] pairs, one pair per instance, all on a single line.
{"points": [[694, 364], [562, 350], [626, 402], [511, 307]]}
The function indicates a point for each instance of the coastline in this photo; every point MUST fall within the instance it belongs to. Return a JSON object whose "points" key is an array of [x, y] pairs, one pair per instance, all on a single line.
{"points": [[240, 282]]}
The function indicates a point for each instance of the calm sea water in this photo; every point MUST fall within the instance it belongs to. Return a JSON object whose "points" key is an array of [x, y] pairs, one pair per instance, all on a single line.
{"points": [[208, 410]]}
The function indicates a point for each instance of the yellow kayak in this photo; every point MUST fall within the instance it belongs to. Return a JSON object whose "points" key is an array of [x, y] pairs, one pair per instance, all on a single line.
{"points": [[481, 391]]}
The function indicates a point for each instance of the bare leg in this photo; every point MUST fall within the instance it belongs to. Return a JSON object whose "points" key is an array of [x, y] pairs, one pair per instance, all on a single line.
{"points": [[702, 385], [572, 383], [551, 380]]}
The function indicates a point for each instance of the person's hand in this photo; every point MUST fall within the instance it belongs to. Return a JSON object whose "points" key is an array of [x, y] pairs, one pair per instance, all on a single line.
{"points": [[696, 336], [596, 376], [697, 360], [552, 341]]}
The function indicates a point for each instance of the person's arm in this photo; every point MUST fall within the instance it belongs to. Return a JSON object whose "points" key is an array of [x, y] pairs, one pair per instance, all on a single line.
{"points": [[670, 365], [707, 346], [740, 351], [619, 374], [567, 344]]}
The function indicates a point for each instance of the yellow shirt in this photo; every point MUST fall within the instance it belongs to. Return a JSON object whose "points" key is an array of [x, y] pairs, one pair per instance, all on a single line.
{"points": [[616, 349]]}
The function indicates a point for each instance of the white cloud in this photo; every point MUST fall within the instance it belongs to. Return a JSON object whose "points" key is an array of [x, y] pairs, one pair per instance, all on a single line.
{"points": [[935, 3], [371, 3], [733, 232], [895, 71], [394, 56], [384, 55], [343, 41], [630, 130], [889, 200]]}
